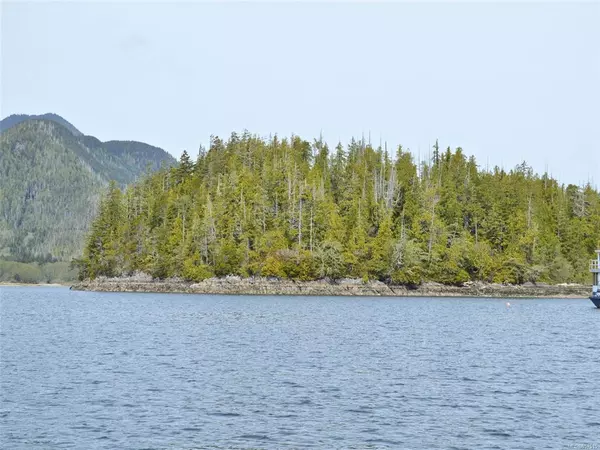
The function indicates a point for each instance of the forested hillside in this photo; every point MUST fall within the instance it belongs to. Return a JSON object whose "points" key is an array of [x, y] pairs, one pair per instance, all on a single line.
{"points": [[50, 184], [294, 209]]}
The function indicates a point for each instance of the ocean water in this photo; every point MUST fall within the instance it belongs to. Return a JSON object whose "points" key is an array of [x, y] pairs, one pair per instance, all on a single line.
{"points": [[88, 370]]}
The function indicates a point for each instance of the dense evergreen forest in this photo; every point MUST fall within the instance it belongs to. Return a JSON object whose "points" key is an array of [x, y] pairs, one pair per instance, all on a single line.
{"points": [[51, 180], [293, 209]]}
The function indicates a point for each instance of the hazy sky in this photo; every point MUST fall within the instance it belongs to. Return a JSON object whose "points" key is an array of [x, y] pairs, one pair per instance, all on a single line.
{"points": [[507, 82]]}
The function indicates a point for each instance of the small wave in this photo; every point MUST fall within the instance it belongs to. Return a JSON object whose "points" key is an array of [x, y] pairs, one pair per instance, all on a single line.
{"points": [[360, 410], [383, 441], [224, 414], [254, 437], [497, 433], [287, 432], [329, 389]]}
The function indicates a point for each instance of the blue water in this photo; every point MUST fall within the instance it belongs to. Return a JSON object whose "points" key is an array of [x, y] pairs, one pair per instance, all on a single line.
{"points": [[153, 371]]}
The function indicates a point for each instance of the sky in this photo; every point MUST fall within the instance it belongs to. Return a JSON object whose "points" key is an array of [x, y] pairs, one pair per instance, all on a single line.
{"points": [[507, 82]]}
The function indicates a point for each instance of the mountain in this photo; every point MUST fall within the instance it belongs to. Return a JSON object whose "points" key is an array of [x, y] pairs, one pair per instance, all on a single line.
{"points": [[15, 119], [51, 179]]}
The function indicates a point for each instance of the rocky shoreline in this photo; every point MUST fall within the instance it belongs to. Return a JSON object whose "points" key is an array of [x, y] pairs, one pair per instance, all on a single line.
{"points": [[265, 286]]}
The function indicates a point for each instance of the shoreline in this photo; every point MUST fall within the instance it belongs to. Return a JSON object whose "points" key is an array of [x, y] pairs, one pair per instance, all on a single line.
{"points": [[262, 286], [8, 284]]}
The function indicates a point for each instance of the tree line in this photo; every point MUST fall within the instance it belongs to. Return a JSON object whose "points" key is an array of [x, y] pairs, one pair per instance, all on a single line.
{"points": [[294, 209]]}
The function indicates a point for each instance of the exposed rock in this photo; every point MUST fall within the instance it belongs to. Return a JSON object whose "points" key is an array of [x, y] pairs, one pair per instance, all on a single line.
{"points": [[270, 286]]}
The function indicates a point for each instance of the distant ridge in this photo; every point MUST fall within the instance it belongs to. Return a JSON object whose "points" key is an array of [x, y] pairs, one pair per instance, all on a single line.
{"points": [[16, 119], [122, 161]]}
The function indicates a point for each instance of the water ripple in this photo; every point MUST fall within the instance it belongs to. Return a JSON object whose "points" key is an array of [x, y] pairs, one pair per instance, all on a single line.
{"points": [[105, 371]]}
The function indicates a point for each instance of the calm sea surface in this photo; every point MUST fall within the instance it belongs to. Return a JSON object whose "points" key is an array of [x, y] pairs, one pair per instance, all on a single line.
{"points": [[153, 371]]}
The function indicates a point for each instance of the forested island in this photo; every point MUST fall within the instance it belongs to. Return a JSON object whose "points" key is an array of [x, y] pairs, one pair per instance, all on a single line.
{"points": [[290, 209]]}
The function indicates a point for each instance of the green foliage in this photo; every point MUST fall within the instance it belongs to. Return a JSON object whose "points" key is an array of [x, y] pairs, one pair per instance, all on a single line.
{"points": [[194, 270], [11, 271], [17, 272], [228, 258], [408, 263], [297, 265], [330, 260], [273, 267], [290, 209]]}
